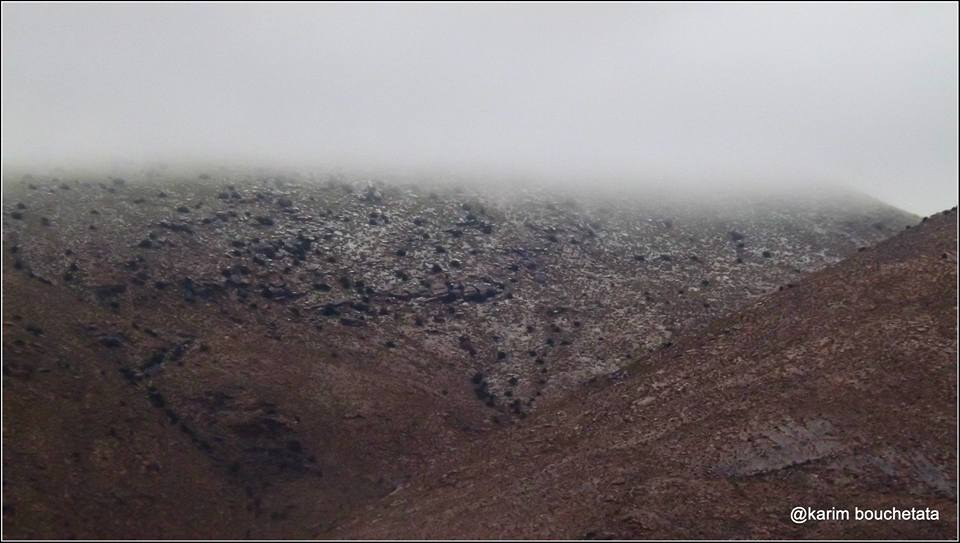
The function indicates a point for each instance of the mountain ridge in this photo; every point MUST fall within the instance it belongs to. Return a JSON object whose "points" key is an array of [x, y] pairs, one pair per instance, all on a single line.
{"points": [[768, 427], [297, 346]]}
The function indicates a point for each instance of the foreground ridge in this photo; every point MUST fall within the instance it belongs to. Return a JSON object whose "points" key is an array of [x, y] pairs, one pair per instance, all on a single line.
{"points": [[836, 393]]}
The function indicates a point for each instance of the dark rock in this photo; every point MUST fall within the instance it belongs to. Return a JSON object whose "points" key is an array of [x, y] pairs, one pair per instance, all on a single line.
{"points": [[111, 341], [278, 292], [480, 296], [105, 293], [193, 291], [176, 227]]}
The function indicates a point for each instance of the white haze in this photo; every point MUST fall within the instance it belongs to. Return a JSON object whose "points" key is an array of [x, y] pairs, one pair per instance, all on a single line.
{"points": [[858, 95]]}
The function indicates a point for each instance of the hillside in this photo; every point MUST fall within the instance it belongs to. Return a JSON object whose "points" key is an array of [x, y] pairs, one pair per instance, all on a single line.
{"points": [[839, 391], [263, 356]]}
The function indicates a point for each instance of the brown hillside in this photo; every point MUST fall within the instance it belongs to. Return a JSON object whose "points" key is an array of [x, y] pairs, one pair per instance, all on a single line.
{"points": [[839, 392], [263, 356]]}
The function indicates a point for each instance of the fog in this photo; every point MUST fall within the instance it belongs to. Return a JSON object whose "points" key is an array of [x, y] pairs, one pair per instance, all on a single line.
{"points": [[699, 94]]}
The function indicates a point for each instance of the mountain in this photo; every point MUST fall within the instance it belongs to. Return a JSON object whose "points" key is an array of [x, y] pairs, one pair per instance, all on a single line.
{"points": [[247, 355], [837, 392]]}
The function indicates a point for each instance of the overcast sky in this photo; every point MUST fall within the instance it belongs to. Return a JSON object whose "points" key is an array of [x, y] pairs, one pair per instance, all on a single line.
{"points": [[862, 95]]}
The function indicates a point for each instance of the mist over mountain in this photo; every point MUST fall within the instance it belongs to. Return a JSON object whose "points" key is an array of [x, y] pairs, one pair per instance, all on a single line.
{"points": [[853, 95], [568, 271]]}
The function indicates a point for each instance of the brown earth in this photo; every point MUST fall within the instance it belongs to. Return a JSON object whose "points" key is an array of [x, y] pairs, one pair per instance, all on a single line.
{"points": [[282, 359], [839, 391]]}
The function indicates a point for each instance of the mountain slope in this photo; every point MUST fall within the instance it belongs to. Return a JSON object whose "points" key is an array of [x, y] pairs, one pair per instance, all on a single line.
{"points": [[839, 392], [514, 280], [274, 353]]}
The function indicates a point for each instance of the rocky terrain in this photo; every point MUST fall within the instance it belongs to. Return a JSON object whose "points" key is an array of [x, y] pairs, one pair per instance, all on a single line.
{"points": [[239, 355], [839, 391]]}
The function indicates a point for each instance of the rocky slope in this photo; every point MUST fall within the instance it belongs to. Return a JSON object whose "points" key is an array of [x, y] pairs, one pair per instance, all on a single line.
{"points": [[278, 351], [838, 392]]}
